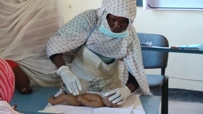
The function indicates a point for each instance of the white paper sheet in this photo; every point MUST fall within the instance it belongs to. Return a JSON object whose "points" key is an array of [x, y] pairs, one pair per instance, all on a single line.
{"points": [[131, 106]]}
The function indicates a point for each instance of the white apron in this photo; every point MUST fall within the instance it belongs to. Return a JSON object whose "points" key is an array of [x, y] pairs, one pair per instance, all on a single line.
{"points": [[99, 75], [94, 74]]}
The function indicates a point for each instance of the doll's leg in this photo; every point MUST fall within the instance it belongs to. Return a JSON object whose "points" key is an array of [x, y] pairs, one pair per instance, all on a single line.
{"points": [[72, 100], [91, 100]]}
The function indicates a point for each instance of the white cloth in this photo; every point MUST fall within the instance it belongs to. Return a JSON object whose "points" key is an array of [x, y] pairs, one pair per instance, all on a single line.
{"points": [[132, 105], [127, 50], [25, 26], [5, 108]]}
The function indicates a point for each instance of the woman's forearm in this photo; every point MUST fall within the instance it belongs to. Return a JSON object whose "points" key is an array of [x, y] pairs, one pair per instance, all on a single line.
{"points": [[57, 59], [131, 87], [132, 83]]}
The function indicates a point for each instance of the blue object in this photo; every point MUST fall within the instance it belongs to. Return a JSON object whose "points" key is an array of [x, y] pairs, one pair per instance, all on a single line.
{"points": [[168, 49], [31, 103], [111, 34], [139, 3]]}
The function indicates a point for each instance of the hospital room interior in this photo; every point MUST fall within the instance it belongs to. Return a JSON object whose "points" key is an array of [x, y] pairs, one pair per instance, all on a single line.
{"points": [[183, 30]]}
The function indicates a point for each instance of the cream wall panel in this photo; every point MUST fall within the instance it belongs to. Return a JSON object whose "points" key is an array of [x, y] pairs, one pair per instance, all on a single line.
{"points": [[181, 28], [73, 7]]}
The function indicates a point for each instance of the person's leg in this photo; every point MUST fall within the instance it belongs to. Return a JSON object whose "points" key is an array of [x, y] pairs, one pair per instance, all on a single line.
{"points": [[7, 81], [70, 99]]}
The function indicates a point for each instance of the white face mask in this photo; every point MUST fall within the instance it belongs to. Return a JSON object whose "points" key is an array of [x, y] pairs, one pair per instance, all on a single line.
{"points": [[114, 35]]}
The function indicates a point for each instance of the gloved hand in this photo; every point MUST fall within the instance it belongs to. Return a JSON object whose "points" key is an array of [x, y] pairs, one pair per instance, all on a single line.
{"points": [[118, 95], [70, 80]]}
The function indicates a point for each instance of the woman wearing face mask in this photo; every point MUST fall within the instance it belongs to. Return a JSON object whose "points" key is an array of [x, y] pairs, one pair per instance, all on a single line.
{"points": [[99, 50]]}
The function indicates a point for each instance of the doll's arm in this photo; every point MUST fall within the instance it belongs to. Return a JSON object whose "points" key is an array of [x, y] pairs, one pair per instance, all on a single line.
{"points": [[70, 99]]}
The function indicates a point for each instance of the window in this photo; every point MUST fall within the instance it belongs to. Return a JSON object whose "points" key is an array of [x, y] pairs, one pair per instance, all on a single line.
{"points": [[173, 4]]}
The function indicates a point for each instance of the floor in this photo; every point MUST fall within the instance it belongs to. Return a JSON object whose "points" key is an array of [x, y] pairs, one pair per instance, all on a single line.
{"points": [[184, 101]]}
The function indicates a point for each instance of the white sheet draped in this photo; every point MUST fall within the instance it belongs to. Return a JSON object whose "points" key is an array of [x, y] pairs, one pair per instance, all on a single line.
{"points": [[133, 105], [25, 27]]}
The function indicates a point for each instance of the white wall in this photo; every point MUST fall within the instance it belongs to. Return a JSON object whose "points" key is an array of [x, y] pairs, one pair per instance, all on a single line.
{"points": [[180, 27], [74, 7]]}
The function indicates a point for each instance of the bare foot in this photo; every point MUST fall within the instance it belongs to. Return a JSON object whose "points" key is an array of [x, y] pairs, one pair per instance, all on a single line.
{"points": [[21, 81]]}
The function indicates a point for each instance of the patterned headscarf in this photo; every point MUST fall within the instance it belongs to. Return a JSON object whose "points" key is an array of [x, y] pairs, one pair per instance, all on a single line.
{"points": [[120, 8], [7, 81]]}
